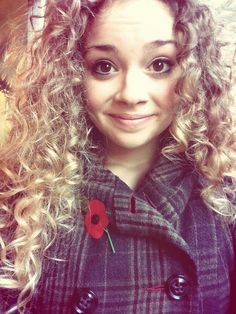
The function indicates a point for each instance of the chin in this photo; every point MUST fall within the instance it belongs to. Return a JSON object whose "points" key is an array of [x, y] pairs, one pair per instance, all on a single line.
{"points": [[131, 144]]}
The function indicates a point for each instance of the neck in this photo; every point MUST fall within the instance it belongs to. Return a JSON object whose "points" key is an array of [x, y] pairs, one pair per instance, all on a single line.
{"points": [[130, 164]]}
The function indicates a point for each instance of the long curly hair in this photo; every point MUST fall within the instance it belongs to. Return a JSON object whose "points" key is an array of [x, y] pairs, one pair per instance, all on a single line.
{"points": [[41, 167]]}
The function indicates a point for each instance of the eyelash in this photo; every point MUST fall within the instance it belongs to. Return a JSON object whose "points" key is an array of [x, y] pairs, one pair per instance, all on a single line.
{"points": [[164, 61], [95, 66]]}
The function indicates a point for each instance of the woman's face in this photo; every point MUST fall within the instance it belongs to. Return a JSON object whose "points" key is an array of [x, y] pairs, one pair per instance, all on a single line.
{"points": [[131, 72]]}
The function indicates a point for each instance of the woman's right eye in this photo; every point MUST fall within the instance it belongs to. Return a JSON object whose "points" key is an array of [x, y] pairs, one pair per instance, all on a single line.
{"points": [[103, 68]]}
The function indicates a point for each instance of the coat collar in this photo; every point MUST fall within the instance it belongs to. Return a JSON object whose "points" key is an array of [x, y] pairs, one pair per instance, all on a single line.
{"points": [[165, 191], [167, 187], [157, 204]]}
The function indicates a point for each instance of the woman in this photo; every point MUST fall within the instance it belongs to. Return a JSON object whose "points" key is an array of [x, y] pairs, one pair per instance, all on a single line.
{"points": [[131, 95]]}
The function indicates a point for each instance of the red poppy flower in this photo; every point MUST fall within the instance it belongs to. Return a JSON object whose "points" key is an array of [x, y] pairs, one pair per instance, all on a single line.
{"points": [[96, 219]]}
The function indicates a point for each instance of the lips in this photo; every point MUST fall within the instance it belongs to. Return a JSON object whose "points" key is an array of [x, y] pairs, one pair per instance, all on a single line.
{"points": [[131, 121], [126, 116]]}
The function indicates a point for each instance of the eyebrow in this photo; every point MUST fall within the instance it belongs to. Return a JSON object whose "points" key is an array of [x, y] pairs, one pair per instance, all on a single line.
{"points": [[160, 43], [111, 48]]}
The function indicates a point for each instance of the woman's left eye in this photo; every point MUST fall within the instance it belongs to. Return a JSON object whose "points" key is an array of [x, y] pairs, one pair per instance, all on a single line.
{"points": [[161, 66]]}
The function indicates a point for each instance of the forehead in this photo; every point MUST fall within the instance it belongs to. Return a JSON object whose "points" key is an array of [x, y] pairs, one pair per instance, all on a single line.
{"points": [[146, 19]]}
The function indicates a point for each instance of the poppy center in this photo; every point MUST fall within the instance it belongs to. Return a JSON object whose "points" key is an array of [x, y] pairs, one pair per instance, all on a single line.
{"points": [[95, 219]]}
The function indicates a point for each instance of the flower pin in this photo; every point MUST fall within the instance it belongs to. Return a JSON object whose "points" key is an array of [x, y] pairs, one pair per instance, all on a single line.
{"points": [[96, 221]]}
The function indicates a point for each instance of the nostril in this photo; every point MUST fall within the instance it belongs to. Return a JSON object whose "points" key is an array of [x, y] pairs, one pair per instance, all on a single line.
{"points": [[132, 205]]}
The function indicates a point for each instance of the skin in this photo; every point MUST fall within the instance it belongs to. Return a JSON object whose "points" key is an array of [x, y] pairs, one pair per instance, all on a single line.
{"points": [[130, 79]]}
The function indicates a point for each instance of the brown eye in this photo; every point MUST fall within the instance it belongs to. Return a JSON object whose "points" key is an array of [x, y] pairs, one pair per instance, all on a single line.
{"points": [[103, 67], [161, 66], [158, 66]]}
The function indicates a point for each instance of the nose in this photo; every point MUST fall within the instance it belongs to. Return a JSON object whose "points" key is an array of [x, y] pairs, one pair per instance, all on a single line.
{"points": [[132, 89]]}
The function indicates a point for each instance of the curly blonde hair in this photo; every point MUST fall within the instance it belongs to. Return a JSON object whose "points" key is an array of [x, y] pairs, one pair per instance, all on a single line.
{"points": [[41, 166]]}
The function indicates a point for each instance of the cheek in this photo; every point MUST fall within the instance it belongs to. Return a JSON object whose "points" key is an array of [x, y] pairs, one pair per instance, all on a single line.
{"points": [[92, 96], [165, 95], [96, 94]]}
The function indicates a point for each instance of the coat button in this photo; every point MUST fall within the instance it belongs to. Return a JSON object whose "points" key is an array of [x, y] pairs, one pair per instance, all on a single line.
{"points": [[84, 301], [177, 287]]}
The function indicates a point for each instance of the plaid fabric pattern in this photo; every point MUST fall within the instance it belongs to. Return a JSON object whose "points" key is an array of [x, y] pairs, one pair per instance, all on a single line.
{"points": [[161, 230]]}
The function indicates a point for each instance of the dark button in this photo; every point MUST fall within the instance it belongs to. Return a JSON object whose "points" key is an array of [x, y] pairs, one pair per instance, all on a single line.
{"points": [[177, 287], [84, 301]]}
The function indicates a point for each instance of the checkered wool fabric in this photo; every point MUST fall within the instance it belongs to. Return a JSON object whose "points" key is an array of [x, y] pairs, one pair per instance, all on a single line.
{"points": [[161, 230]]}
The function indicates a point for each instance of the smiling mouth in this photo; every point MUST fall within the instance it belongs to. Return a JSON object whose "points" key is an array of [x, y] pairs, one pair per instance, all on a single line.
{"points": [[131, 121], [131, 116]]}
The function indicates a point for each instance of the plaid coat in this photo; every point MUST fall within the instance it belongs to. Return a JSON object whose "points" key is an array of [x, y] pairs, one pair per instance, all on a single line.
{"points": [[173, 255]]}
